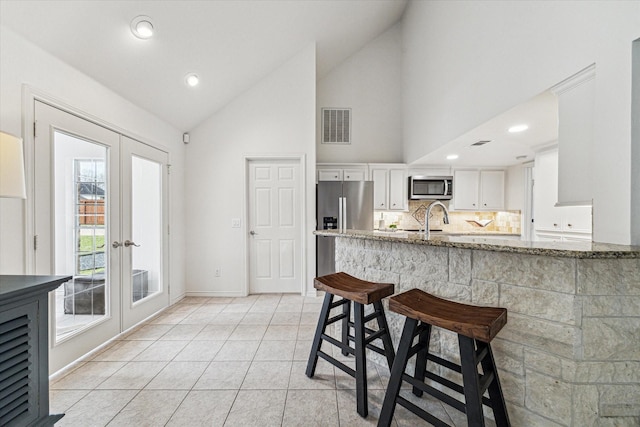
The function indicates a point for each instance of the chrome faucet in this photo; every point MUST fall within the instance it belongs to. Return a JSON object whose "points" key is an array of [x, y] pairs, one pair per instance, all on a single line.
{"points": [[428, 213]]}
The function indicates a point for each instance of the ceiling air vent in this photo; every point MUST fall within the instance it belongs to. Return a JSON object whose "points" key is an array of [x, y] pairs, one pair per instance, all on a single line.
{"points": [[336, 126], [481, 142]]}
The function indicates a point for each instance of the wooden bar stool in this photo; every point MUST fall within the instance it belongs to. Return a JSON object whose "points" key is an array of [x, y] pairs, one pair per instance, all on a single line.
{"points": [[476, 327], [359, 293]]}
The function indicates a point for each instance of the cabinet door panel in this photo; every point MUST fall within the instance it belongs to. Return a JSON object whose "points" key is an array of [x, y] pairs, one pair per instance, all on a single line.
{"points": [[380, 189], [398, 189], [545, 192], [329, 175], [353, 175], [577, 219], [465, 190], [492, 190]]}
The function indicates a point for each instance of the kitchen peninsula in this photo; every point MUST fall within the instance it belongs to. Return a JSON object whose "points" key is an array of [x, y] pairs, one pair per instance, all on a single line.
{"points": [[570, 352]]}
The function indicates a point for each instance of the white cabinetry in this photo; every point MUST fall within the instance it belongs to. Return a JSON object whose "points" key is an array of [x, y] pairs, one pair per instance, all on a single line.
{"points": [[336, 172], [465, 189], [576, 113], [551, 222], [426, 171], [492, 190], [398, 189], [478, 189], [389, 187]]}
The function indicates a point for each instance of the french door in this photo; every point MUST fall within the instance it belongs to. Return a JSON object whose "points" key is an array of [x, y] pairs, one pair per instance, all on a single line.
{"points": [[101, 217]]}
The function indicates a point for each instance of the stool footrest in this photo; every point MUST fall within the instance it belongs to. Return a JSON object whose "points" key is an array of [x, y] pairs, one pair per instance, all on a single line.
{"points": [[375, 336], [339, 303], [485, 381], [366, 329], [446, 363], [482, 353], [369, 317], [437, 422], [338, 364], [335, 318], [370, 346], [445, 382], [453, 402], [338, 344]]}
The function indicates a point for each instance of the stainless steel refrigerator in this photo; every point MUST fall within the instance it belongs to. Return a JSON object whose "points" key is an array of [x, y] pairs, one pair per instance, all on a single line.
{"points": [[340, 205]]}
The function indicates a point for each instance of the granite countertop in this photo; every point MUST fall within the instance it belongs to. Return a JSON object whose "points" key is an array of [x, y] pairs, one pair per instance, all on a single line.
{"points": [[554, 249]]}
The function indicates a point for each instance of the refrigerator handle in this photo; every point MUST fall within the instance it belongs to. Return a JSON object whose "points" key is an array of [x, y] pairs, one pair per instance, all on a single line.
{"points": [[344, 214], [340, 214]]}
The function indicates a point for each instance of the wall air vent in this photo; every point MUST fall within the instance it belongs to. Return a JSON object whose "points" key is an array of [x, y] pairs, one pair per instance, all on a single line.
{"points": [[336, 126], [481, 142]]}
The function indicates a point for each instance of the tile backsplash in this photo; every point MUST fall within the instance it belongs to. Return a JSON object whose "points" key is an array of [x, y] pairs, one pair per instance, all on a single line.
{"points": [[501, 221]]}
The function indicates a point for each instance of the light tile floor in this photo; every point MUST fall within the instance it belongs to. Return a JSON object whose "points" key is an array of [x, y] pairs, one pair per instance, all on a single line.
{"points": [[224, 361]]}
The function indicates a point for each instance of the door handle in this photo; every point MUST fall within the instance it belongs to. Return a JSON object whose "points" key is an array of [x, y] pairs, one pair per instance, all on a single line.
{"points": [[116, 245], [128, 243], [253, 233]]}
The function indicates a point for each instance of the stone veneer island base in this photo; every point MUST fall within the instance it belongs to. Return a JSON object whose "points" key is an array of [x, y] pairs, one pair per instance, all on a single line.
{"points": [[570, 352]]}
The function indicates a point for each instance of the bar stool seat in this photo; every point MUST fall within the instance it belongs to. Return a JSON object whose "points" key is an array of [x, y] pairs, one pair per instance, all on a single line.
{"points": [[357, 293], [476, 327]]}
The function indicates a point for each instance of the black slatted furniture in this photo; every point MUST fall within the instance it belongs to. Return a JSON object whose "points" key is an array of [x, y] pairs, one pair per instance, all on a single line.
{"points": [[476, 327], [358, 293]]}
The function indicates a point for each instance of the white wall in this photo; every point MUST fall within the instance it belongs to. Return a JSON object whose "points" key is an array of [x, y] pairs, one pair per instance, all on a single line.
{"points": [[369, 82], [276, 116], [465, 62], [23, 63]]}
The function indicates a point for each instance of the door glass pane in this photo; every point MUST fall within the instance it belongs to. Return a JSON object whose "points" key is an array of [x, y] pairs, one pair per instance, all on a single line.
{"points": [[146, 221], [80, 200]]}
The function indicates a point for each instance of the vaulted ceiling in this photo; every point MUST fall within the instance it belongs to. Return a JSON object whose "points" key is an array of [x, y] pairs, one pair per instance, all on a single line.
{"points": [[231, 45]]}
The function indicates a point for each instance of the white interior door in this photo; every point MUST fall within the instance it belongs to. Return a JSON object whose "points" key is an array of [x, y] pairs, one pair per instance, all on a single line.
{"points": [[77, 215], [144, 230], [274, 205]]}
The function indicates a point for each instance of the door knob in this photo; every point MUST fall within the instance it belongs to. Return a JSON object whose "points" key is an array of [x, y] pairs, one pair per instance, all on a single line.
{"points": [[128, 243], [253, 233], [116, 245]]}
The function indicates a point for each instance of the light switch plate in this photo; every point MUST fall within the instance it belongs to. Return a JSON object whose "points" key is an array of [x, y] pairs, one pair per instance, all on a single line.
{"points": [[235, 222]]}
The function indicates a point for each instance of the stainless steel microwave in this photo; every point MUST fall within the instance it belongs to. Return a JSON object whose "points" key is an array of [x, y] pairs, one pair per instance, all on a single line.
{"points": [[422, 187]]}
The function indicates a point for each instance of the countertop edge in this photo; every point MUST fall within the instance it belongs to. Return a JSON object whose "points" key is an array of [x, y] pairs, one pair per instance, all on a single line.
{"points": [[580, 250]]}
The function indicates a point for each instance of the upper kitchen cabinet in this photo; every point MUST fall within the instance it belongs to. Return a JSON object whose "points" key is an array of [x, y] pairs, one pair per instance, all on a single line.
{"points": [[492, 190], [553, 222], [342, 172], [478, 190], [576, 101], [427, 171], [389, 187]]}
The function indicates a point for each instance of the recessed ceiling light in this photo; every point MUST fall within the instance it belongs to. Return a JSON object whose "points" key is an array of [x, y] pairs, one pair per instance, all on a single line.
{"points": [[518, 128], [452, 156], [142, 27], [192, 80]]}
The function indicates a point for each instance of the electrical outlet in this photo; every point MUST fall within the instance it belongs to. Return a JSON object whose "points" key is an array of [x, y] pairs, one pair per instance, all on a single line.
{"points": [[217, 272]]}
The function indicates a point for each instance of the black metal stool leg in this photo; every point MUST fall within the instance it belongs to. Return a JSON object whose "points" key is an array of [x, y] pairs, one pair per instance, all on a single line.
{"points": [[421, 357], [346, 309], [361, 360], [495, 390], [317, 338], [471, 381], [387, 344], [399, 365]]}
